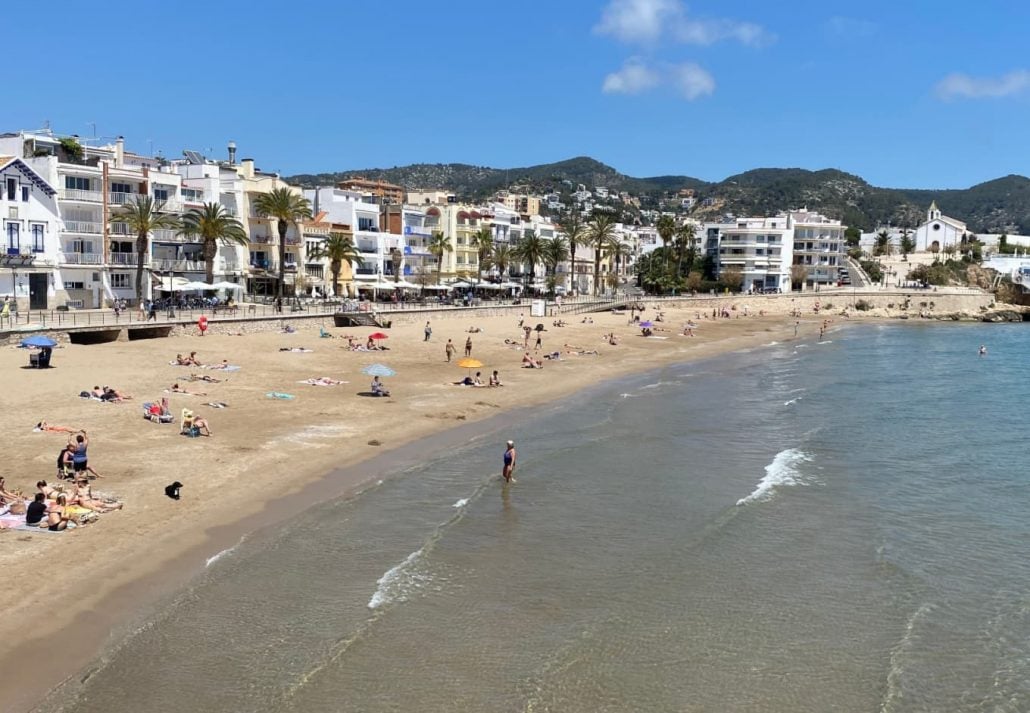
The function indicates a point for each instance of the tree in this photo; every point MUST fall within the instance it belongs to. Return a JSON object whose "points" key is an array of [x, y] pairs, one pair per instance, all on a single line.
{"points": [[575, 233], [438, 245], [666, 227], [852, 236], [214, 226], [798, 276], [396, 258], [615, 251], [338, 248], [882, 244], [286, 208], [686, 240], [731, 278], [501, 257], [556, 251], [530, 250], [483, 241], [143, 216], [600, 233], [694, 280], [908, 243]]}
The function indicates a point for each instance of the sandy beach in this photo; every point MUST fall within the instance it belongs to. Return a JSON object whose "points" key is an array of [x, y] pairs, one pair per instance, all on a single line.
{"points": [[264, 451]]}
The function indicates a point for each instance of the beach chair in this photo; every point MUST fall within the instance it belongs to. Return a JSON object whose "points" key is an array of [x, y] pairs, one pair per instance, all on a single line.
{"points": [[186, 427], [155, 413]]}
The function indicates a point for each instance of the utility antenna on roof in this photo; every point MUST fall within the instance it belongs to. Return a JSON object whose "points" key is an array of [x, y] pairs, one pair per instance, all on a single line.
{"points": [[94, 125]]}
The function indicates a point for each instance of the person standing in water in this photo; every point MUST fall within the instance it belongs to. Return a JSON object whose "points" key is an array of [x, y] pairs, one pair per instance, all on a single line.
{"points": [[509, 463], [983, 350]]}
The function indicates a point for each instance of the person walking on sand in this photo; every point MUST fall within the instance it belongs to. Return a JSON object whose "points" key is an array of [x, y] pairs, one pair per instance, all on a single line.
{"points": [[508, 472], [468, 347], [429, 331], [449, 349]]}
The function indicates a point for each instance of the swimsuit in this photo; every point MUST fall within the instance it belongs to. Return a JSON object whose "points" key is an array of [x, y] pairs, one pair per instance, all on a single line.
{"points": [[508, 457]]}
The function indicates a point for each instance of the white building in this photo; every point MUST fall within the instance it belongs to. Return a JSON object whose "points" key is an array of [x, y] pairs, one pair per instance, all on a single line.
{"points": [[28, 208], [760, 248], [818, 246], [938, 231]]}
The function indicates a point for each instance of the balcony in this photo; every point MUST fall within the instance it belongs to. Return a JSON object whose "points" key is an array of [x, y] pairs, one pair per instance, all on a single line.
{"points": [[261, 239], [74, 194], [172, 205], [85, 228], [290, 267], [365, 271], [80, 258], [121, 198], [173, 236], [179, 265], [124, 259], [415, 230]]}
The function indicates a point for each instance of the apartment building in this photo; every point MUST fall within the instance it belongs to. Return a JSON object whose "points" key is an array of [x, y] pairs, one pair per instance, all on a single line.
{"points": [[760, 248], [374, 191], [819, 247], [30, 219], [429, 197]]}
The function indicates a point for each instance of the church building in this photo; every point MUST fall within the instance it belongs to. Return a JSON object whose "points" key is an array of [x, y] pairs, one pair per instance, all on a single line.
{"points": [[938, 231]]}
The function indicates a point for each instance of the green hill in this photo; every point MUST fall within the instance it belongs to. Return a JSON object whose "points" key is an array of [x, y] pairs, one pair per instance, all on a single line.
{"points": [[1002, 205]]}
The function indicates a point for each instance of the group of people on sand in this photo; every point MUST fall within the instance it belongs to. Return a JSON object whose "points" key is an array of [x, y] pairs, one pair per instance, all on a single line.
{"points": [[107, 393], [477, 380]]}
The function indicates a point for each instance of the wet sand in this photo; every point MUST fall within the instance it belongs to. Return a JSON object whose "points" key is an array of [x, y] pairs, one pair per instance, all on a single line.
{"points": [[268, 459]]}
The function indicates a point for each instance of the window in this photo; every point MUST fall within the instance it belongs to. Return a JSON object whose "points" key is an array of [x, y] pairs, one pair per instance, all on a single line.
{"points": [[161, 194], [367, 224], [77, 183], [38, 230], [81, 246], [69, 285], [24, 194], [120, 280], [13, 236], [121, 187], [12, 189]]}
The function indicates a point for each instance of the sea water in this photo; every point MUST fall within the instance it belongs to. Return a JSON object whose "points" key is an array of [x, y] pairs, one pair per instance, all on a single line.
{"points": [[802, 527]]}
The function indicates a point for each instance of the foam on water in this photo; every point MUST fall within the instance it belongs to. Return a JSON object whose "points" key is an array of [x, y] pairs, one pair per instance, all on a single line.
{"points": [[399, 582], [792, 401], [461, 503], [214, 558], [781, 472]]}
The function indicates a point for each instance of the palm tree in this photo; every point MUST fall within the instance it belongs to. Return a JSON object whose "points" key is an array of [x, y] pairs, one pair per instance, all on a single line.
{"points": [[556, 251], [530, 251], [438, 245], [338, 248], [600, 233], [666, 227], [214, 226], [686, 236], [483, 241], [575, 233], [396, 258], [286, 208], [143, 216], [501, 257], [615, 251]]}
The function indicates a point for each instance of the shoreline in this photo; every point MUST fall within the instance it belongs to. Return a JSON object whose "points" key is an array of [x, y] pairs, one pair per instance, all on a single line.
{"points": [[67, 645]]}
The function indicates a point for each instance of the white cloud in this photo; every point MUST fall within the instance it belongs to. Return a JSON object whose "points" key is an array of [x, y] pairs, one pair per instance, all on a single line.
{"points": [[692, 81], [963, 86], [850, 27], [641, 21], [637, 20], [634, 77], [708, 32]]}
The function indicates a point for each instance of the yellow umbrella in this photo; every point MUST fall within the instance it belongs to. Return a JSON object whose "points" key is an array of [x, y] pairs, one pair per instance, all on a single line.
{"points": [[470, 363]]}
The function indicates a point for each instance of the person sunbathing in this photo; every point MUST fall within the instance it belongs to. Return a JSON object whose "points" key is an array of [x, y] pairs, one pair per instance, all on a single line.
{"points": [[97, 393], [192, 360], [50, 428], [48, 492], [205, 377], [474, 330], [57, 518], [529, 362], [180, 360], [176, 389], [115, 395], [6, 496], [202, 426], [223, 365], [378, 389], [82, 495], [495, 379]]}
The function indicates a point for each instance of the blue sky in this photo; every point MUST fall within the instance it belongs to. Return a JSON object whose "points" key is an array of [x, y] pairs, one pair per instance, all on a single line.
{"points": [[916, 94]]}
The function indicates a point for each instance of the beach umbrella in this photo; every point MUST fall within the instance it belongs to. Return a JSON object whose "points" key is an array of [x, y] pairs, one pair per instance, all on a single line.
{"points": [[38, 340], [646, 324], [378, 370], [378, 335], [470, 364]]}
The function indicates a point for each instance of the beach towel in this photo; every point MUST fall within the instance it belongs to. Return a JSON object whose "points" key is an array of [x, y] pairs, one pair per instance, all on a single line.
{"points": [[222, 367], [217, 404], [279, 395], [296, 350], [322, 381]]}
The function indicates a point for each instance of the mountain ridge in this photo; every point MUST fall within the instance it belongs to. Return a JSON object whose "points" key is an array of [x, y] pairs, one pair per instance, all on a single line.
{"points": [[998, 205]]}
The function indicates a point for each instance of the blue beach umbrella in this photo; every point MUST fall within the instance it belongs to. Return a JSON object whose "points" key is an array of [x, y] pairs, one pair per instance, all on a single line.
{"points": [[646, 324], [38, 340], [379, 370]]}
